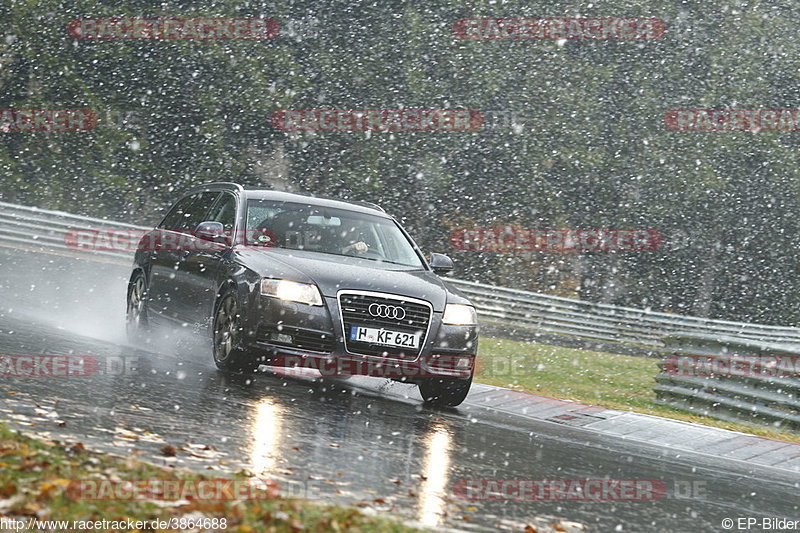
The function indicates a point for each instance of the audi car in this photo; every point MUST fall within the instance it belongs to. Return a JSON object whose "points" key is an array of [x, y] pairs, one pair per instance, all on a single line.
{"points": [[293, 280]]}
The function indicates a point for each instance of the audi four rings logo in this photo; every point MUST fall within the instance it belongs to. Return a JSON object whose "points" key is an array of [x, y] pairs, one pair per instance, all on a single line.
{"points": [[387, 311]]}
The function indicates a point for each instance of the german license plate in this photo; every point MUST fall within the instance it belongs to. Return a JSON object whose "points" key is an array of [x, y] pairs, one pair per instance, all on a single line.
{"points": [[384, 337]]}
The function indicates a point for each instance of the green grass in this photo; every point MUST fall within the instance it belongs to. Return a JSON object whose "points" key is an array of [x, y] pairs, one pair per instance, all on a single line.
{"points": [[35, 479], [614, 381]]}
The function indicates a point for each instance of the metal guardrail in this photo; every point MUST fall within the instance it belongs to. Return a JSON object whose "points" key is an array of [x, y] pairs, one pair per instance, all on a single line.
{"points": [[30, 227], [530, 310], [752, 382], [40, 229]]}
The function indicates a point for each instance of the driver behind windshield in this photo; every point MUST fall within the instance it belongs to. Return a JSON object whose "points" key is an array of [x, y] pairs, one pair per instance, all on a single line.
{"points": [[351, 241], [296, 226], [293, 230]]}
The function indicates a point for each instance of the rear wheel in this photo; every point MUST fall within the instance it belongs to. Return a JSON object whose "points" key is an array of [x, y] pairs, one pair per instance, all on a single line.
{"points": [[227, 337], [136, 324], [444, 392]]}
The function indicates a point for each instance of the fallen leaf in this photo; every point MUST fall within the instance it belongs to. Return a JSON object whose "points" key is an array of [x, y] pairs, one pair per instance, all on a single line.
{"points": [[78, 447], [50, 486], [168, 451]]}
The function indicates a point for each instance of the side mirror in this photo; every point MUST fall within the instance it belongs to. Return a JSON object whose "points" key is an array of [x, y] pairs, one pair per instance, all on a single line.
{"points": [[210, 231], [441, 264]]}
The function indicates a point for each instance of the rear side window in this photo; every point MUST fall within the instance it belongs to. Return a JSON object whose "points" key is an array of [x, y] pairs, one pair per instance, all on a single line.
{"points": [[189, 212]]}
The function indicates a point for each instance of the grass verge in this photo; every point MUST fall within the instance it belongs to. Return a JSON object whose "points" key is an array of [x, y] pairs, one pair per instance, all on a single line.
{"points": [[614, 381], [37, 480]]}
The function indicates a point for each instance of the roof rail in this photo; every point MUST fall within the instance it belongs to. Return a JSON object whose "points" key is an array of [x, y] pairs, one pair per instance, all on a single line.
{"points": [[366, 204], [228, 184], [362, 203], [220, 185]]}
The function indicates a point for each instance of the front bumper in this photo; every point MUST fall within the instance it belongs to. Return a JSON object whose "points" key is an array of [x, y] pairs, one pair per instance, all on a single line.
{"points": [[297, 335]]}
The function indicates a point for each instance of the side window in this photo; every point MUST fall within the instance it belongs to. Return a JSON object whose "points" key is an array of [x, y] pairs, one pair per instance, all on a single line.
{"points": [[189, 212], [224, 211], [175, 216], [198, 212]]}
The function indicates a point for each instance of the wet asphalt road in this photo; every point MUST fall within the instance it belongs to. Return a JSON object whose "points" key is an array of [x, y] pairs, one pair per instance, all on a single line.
{"points": [[349, 441]]}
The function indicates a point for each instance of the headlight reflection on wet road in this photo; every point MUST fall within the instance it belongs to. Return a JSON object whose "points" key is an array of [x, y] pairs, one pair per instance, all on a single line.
{"points": [[435, 472], [265, 434]]}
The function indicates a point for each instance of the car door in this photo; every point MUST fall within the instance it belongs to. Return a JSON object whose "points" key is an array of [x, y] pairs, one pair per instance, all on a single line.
{"points": [[202, 265], [162, 259], [173, 242]]}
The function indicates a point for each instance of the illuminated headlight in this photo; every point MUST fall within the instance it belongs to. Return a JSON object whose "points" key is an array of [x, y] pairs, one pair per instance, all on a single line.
{"points": [[460, 315], [291, 291]]}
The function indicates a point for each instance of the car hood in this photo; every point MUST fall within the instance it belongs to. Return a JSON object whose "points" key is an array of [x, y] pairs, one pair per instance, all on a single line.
{"points": [[332, 273]]}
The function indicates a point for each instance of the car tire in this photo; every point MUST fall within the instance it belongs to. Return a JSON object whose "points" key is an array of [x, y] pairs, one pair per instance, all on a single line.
{"points": [[444, 392], [226, 337], [136, 322]]}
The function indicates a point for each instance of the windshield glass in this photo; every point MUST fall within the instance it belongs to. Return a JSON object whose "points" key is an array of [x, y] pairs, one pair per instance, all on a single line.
{"points": [[330, 231]]}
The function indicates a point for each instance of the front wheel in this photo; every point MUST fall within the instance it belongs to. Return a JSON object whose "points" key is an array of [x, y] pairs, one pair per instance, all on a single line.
{"points": [[227, 337], [444, 392]]}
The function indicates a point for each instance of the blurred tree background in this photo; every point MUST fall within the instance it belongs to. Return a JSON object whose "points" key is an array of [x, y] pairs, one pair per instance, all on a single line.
{"points": [[574, 136]]}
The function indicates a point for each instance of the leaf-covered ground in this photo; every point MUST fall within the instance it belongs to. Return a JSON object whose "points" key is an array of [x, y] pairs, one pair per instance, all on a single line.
{"points": [[38, 481]]}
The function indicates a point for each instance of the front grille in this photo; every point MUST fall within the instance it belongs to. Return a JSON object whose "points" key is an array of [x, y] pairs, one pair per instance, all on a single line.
{"points": [[355, 312], [303, 339]]}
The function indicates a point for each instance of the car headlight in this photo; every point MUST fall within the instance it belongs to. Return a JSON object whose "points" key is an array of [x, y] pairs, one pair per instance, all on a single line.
{"points": [[460, 315], [291, 291]]}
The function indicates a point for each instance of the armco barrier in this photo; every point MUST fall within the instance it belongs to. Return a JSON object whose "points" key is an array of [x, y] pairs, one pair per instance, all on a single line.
{"points": [[33, 228], [603, 322], [39, 229], [767, 396]]}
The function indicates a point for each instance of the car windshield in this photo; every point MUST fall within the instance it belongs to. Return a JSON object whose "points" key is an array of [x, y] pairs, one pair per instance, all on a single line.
{"points": [[327, 230]]}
